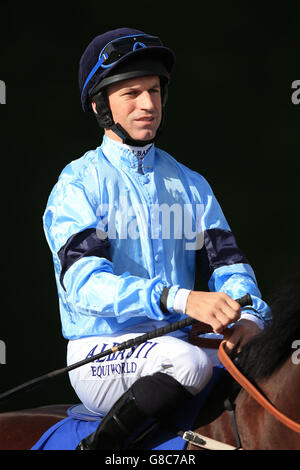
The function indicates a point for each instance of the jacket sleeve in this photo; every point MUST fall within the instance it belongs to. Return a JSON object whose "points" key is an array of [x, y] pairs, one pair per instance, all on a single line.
{"points": [[83, 267], [223, 265]]}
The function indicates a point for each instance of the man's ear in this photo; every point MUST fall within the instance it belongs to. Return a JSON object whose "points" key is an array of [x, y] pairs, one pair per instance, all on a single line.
{"points": [[94, 106], [101, 110]]}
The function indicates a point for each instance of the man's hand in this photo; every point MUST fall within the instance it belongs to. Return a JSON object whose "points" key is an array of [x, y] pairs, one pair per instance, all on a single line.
{"points": [[239, 334], [213, 308]]}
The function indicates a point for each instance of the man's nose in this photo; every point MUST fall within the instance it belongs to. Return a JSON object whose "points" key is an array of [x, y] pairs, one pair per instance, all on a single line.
{"points": [[146, 101]]}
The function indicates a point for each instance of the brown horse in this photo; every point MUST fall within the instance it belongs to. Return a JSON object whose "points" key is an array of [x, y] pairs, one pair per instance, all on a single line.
{"points": [[20, 430], [272, 363], [269, 361]]}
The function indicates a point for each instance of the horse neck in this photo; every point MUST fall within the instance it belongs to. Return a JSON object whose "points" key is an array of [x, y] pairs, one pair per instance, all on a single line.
{"points": [[282, 388]]}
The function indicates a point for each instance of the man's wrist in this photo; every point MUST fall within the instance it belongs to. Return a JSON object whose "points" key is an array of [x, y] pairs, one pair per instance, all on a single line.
{"points": [[173, 300], [181, 300], [254, 318]]}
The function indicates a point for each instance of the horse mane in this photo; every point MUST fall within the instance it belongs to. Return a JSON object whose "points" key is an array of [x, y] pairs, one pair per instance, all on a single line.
{"points": [[262, 355]]}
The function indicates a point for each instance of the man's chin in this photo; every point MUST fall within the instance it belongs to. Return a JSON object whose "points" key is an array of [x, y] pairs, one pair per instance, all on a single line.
{"points": [[146, 135]]}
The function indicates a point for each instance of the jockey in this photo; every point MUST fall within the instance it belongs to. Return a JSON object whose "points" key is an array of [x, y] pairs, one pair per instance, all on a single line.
{"points": [[127, 226]]}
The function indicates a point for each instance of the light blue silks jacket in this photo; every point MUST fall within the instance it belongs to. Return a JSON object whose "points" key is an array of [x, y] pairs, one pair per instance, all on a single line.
{"points": [[120, 231]]}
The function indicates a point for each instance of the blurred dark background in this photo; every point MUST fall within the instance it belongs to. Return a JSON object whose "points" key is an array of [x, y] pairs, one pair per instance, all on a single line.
{"points": [[230, 116]]}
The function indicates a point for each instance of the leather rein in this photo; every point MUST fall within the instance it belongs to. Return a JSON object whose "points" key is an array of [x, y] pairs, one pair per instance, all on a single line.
{"points": [[253, 391]]}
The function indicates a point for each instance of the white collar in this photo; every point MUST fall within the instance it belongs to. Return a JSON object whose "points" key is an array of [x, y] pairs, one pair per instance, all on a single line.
{"points": [[139, 152]]}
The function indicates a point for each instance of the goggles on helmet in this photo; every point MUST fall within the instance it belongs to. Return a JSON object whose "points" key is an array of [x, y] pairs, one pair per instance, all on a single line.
{"points": [[119, 47]]}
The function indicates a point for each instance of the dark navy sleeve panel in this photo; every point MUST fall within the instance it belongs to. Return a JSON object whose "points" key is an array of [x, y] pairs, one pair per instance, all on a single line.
{"points": [[79, 245], [219, 249]]}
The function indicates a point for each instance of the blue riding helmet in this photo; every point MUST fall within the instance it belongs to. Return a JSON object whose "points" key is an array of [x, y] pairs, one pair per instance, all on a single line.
{"points": [[105, 58]]}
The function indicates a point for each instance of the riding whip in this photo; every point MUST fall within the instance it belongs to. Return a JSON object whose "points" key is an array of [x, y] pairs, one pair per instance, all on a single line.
{"points": [[31, 384]]}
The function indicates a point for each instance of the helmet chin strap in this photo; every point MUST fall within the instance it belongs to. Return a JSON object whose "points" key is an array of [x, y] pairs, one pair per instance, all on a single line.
{"points": [[127, 139]]}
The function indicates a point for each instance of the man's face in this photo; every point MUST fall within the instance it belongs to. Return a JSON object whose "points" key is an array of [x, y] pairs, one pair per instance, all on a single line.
{"points": [[136, 105]]}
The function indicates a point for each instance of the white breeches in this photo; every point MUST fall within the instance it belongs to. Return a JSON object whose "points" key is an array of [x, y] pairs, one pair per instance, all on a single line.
{"points": [[100, 383]]}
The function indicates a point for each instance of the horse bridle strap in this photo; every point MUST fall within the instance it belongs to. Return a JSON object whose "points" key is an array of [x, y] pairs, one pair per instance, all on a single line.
{"points": [[252, 390]]}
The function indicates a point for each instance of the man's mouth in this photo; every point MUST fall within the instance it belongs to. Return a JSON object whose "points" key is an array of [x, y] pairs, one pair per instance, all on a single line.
{"points": [[145, 119]]}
